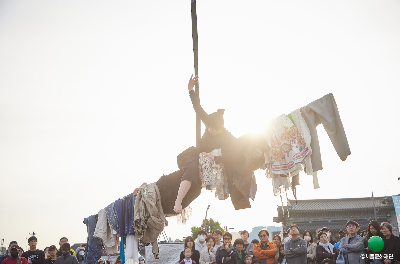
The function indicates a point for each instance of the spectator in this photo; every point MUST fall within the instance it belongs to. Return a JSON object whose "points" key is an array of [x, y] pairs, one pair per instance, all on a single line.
{"points": [[295, 247], [248, 259], [14, 258], [248, 248], [20, 251], [311, 247], [277, 241], [62, 241], [325, 250], [208, 254], [328, 232], [255, 242], [53, 255], [238, 251], [217, 234], [353, 244], [189, 242], [33, 255], [265, 250], [281, 257], [284, 236], [374, 229], [201, 243], [12, 243], [66, 257], [328, 261], [391, 243], [46, 252], [80, 255], [256, 261], [141, 260], [224, 252], [188, 253], [342, 234]]}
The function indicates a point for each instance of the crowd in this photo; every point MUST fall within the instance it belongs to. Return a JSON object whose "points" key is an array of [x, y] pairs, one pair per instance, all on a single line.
{"points": [[292, 247]]}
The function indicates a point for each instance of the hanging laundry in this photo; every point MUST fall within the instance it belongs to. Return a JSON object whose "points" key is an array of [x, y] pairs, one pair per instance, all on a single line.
{"points": [[129, 210], [119, 209], [94, 247], [325, 111], [131, 250], [105, 232], [149, 216], [112, 216]]}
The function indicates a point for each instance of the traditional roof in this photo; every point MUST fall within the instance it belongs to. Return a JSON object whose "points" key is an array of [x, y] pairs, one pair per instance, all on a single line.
{"points": [[339, 204], [333, 226]]}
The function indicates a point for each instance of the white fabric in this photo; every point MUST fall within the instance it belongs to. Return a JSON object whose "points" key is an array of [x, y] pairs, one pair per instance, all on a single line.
{"points": [[188, 261], [131, 250], [207, 257], [104, 231], [199, 247]]}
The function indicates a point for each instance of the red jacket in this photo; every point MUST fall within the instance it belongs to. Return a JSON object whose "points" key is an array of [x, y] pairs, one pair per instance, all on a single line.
{"points": [[268, 254], [10, 260]]}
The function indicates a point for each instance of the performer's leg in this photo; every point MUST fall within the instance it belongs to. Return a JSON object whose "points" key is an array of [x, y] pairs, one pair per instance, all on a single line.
{"points": [[183, 190]]}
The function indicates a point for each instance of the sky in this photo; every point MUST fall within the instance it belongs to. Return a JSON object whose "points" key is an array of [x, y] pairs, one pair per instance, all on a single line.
{"points": [[94, 100]]}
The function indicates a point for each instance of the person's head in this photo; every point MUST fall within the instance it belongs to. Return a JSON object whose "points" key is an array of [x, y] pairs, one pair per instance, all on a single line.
{"points": [[276, 239], [327, 261], [307, 236], [239, 244], [255, 242], [294, 230], [217, 234], [141, 260], [215, 122], [32, 242], [342, 234], [263, 235], [256, 261], [12, 243], [189, 242], [248, 259], [14, 251], [244, 235], [201, 235], [20, 251], [62, 241], [386, 229], [210, 242], [285, 235], [65, 248], [188, 252], [352, 227], [374, 228], [227, 237], [323, 237], [326, 231], [46, 250], [52, 251]]}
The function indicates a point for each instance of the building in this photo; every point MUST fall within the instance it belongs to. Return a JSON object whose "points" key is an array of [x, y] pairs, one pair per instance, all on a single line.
{"points": [[334, 213]]}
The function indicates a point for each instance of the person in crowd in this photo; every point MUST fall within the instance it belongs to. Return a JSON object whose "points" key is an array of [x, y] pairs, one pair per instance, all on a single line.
{"points": [[189, 242], [20, 251], [342, 234], [62, 241], [238, 251], [353, 244], [224, 252], [265, 250], [13, 258], [364, 233], [141, 260], [328, 232], [201, 243], [256, 261], [66, 257], [33, 255], [284, 236], [391, 244], [255, 242], [46, 252], [80, 255], [325, 250], [281, 255], [295, 247], [188, 253], [311, 247], [248, 259], [12, 243], [207, 255], [277, 241], [83, 245], [328, 261], [248, 247], [53, 255], [374, 229], [217, 235]]}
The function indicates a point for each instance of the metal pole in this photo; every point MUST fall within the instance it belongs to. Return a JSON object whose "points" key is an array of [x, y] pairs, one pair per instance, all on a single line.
{"points": [[373, 201], [196, 68], [205, 219]]}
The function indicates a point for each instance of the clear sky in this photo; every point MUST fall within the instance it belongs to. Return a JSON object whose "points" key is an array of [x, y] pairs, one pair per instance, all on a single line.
{"points": [[94, 100]]}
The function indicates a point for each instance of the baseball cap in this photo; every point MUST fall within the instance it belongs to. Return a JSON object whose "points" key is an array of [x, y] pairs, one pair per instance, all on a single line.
{"points": [[52, 247]]}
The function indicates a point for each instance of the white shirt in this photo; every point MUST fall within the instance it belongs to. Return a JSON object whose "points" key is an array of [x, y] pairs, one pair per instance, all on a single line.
{"points": [[217, 246], [188, 261], [199, 246]]}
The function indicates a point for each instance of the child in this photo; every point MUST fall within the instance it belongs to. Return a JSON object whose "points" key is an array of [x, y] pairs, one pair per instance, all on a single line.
{"points": [[187, 259], [248, 259]]}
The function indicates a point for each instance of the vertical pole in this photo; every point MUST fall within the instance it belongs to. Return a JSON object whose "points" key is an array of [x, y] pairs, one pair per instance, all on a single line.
{"points": [[373, 201], [196, 68]]}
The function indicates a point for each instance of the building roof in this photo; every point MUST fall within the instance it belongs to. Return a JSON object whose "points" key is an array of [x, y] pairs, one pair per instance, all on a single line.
{"points": [[339, 204], [333, 227]]}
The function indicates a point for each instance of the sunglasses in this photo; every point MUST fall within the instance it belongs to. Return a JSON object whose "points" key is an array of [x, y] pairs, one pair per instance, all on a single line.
{"points": [[227, 238], [263, 235]]}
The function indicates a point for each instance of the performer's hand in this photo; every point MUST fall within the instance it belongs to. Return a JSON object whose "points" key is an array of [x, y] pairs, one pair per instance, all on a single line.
{"points": [[192, 82], [205, 154], [137, 189], [178, 207]]}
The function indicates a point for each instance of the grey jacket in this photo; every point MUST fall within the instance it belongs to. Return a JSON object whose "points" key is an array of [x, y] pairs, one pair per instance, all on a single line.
{"points": [[69, 259], [296, 251], [249, 249], [352, 251]]}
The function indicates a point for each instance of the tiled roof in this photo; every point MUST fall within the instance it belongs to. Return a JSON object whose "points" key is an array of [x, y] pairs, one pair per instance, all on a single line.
{"points": [[333, 227], [338, 204]]}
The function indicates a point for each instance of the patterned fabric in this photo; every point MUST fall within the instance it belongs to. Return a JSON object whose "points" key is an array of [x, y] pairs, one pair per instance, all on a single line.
{"points": [[93, 248], [112, 216], [213, 175]]}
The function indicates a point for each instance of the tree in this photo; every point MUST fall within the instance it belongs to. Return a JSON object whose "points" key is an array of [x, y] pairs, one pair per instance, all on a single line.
{"points": [[211, 226]]}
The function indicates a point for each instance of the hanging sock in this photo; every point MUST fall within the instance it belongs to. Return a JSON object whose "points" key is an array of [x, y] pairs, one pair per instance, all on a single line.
{"points": [[315, 180]]}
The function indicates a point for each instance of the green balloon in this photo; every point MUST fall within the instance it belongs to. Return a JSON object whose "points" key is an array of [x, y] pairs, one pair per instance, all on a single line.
{"points": [[375, 243]]}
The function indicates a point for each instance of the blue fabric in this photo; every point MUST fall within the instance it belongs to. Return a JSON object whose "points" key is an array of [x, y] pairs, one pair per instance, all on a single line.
{"points": [[121, 251], [121, 219], [94, 246], [263, 247], [112, 216], [129, 210]]}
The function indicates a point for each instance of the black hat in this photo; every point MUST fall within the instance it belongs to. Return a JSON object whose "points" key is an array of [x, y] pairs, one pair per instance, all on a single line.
{"points": [[352, 222], [216, 119], [66, 245], [52, 247]]}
